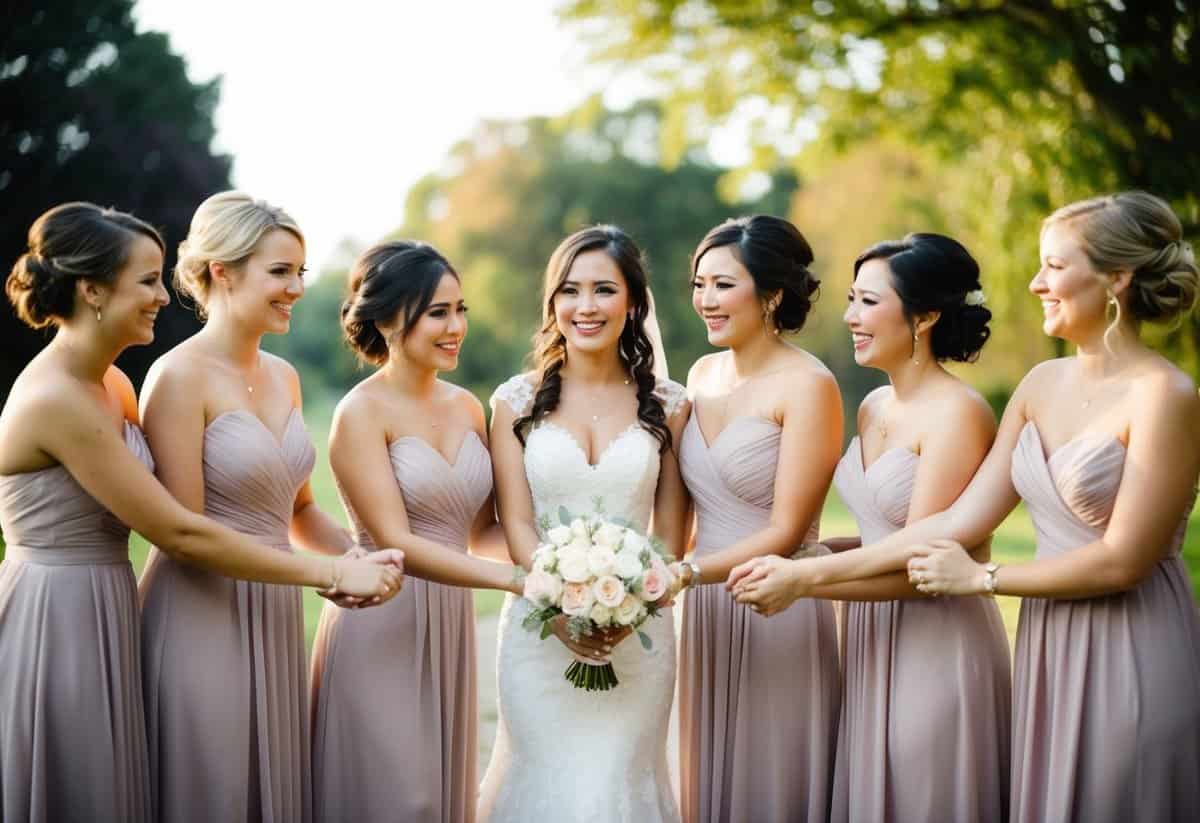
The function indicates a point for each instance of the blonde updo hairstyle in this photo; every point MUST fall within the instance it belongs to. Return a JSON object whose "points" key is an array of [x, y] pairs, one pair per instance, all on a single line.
{"points": [[1137, 232], [225, 229], [69, 243]]}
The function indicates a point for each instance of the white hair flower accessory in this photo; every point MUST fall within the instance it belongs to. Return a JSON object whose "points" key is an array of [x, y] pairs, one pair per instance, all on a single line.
{"points": [[975, 298]]}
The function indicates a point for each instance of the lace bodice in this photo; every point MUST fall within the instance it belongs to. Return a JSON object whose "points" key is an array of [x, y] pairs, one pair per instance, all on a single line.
{"points": [[623, 479]]}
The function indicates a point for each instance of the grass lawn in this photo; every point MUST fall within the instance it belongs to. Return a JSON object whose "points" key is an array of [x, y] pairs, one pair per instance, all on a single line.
{"points": [[1014, 540]]}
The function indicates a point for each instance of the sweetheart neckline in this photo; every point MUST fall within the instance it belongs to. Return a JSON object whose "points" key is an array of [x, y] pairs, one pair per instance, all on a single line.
{"points": [[452, 464], [632, 427], [710, 445], [287, 425], [856, 444], [1081, 437]]}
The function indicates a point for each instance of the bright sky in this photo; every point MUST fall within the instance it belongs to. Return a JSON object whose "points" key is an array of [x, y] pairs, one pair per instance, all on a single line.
{"points": [[333, 110]]}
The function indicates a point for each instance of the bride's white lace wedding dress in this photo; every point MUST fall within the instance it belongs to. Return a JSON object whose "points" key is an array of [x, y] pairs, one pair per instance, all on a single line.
{"points": [[561, 753]]}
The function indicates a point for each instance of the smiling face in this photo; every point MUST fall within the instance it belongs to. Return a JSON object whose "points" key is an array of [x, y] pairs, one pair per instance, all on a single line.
{"points": [[1073, 294], [725, 297], [879, 330], [129, 304], [261, 291], [435, 337], [591, 305]]}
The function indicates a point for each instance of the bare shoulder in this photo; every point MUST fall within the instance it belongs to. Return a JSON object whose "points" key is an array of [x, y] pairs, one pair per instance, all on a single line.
{"points": [[1163, 388], [803, 375], [466, 401], [702, 368], [868, 409], [118, 385], [359, 405], [959, 408]]}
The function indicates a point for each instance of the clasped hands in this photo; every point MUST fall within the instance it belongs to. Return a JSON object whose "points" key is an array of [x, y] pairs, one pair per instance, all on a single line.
{"points": [[365, 578], [769, 584], [598, 645]]}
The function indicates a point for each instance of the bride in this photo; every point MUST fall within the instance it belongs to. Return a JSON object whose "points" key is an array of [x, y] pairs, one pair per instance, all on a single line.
{"points": [[590, 424]]}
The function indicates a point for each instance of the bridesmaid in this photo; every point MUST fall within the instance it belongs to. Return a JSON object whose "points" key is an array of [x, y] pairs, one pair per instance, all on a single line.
{"points": [[758, 700], [410, 456], [1104, 449], [225, 662], [914, 304], [73, 471]]}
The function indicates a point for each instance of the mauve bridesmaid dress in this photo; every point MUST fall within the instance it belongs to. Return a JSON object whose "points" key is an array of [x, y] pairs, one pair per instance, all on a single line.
{"points": [[1106, 712], [393, 686], [224, 659], [925, 725], [72, 727], [758, 696]]}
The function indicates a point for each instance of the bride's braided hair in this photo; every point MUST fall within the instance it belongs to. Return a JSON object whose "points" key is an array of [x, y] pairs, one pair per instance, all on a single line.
{"points": [[634, 347]]}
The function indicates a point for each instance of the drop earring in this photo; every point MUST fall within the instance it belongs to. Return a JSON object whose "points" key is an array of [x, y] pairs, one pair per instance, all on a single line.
{"points": [[99, 318], [916, 339]]}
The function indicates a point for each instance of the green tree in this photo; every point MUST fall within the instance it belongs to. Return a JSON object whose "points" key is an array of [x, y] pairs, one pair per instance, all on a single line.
{"points": [[1013, 107], [91, 109]]}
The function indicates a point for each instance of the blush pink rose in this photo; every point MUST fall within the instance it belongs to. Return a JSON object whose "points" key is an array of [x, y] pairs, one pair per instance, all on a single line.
{"points": [[609, 590], [577, 599], [655, 582]]}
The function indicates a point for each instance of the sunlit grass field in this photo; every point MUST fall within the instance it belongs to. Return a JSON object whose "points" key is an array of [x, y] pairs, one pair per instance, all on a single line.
{"points": [[1013, 542]]}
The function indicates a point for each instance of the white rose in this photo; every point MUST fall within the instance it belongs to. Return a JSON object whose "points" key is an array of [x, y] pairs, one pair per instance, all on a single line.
{"points": [[544, 559], [573, 564], [577, 599], [626, 614], [609, 590], [581, 544], [609, 535], [542, 588], [601, 615], [579, 528], [635, 542], [628, 563], [601, 561], [559, 535]]}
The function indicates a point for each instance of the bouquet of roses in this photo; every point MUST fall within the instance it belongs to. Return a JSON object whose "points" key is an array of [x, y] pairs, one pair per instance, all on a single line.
{"points": [[600, 573]]}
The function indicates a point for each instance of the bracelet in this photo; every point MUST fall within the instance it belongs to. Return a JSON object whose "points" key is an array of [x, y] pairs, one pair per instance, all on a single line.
{"points": [[693, 573], [989, 582], [335, 574]]}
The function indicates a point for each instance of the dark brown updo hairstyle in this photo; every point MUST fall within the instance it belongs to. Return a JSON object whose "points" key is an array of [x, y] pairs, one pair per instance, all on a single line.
{"points": [[393, 278], [634, 347], [68, 243], [935, 273], [777, 257]]}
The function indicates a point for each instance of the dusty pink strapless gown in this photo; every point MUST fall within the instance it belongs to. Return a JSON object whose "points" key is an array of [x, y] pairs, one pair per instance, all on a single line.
{"points": [[224, 659], [924, 733], [393, 686], [1106, 690], [72, 728], [758, 696]]}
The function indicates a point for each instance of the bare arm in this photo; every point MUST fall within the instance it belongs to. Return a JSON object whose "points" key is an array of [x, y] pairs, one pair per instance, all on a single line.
{"points": [[809, 449], [671, 501], [514, 501], [76, 431], [358, 453], [1153, 499]]}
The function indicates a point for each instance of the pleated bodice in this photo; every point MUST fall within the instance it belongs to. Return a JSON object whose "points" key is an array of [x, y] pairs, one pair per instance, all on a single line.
{"points": [[46, 516], [731, 480], [1071, 492], [441, 498], [251, 478], [877, 495]]}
